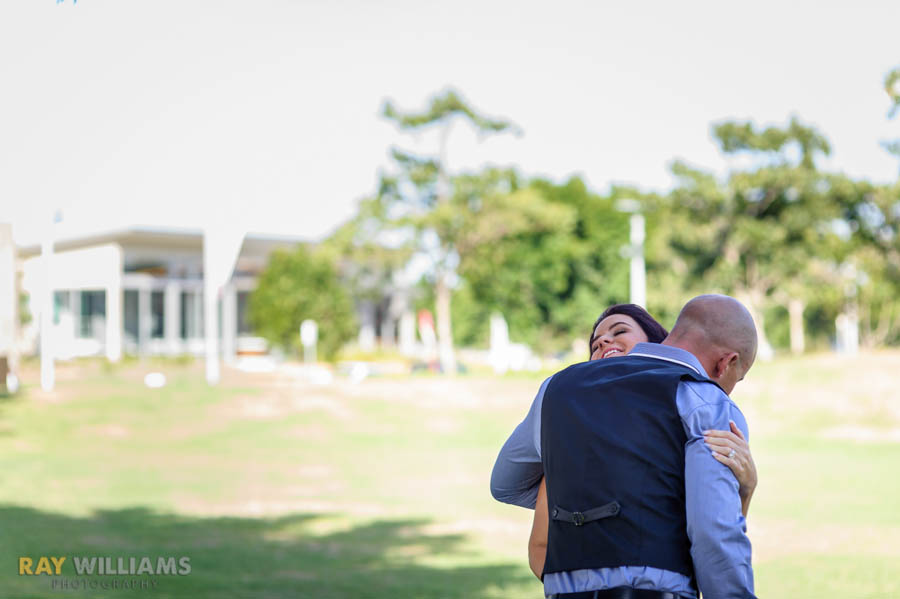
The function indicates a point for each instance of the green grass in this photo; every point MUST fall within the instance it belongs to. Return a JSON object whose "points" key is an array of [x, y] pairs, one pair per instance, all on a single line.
{"points": [[276, 488]]}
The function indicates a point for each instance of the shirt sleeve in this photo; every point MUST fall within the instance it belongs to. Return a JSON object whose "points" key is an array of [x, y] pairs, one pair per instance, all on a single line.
{"points": [[717, 529], [518, 470]]}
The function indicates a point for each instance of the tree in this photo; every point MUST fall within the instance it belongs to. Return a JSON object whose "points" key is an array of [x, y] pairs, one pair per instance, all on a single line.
{"points": [[416, 197], [553, 278], [368, 263], [296, 286], [872, 257], [764, 235], [736, 137]]}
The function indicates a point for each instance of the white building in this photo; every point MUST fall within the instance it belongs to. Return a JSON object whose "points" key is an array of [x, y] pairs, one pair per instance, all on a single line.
{"points": [[140, 290]]}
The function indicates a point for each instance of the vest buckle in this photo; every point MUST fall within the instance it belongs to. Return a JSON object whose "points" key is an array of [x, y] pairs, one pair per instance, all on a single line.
{"points": [[577, 518]]}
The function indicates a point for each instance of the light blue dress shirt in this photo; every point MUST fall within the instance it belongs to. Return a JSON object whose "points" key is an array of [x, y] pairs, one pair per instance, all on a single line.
{"points": [[720, 548]]}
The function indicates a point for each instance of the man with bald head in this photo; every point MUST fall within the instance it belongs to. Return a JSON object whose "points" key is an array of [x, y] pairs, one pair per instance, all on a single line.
{"points": [[719, 332], [639, 508]]}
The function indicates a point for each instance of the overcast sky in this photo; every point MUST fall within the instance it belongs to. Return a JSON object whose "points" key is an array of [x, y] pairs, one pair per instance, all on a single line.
{"points": [[120, 112]]}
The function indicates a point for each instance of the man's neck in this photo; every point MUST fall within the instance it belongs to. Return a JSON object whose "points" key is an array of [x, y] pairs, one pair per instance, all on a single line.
{"points": [[691, 345]]}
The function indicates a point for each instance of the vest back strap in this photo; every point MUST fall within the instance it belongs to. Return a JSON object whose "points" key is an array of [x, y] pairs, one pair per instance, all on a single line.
{"points": [[579, 518]]}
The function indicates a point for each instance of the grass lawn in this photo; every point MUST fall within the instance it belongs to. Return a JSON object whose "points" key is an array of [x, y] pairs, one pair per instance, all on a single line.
{"points": [[277, 488]]}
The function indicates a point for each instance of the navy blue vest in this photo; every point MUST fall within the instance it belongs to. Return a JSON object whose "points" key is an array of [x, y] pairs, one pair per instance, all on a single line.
{"points": [[611, 437]]}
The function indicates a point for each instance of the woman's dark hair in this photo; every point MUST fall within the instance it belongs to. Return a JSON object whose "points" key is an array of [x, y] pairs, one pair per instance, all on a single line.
{"points": [[654, 331]]}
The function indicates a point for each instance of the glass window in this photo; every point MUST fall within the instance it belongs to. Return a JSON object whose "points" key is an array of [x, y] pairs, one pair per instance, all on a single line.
{"points": [[157, 314], [191, 314], [243, 324], [130, 309], [93, 314], [60, 304]]}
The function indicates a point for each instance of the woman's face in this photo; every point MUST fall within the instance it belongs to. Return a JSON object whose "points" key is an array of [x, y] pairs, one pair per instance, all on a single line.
{"points": [[615, 336]]}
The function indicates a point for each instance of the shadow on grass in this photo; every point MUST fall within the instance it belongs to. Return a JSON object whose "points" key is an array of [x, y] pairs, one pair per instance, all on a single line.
{"points": [[291, 556]]}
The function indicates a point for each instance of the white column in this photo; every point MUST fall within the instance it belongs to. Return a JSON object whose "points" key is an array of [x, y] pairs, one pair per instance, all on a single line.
{"points": [[211, 329], [48, 374], [145, 320], [367, 326], [387, 330], [9, 297], [172, 316], [229, 324], [197, 304], [499, 355], [221, 246], [115, 323], [795, 314], [75, 310], [408, 333]]}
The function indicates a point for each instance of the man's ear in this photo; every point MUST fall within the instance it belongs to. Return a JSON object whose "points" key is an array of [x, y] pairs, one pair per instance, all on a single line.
{"points": [[726, 361]]}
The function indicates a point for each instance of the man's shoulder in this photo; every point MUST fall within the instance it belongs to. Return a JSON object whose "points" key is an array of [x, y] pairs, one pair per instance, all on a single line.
{"points": [[702, 400], [704, 392]]}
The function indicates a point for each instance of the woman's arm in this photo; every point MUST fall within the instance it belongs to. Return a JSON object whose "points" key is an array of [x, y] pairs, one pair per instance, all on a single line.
{"points": [[537, 543], [741, 463]]}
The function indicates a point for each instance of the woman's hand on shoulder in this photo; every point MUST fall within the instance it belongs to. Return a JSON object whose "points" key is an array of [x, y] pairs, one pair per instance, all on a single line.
{"points": [[732, 449]]}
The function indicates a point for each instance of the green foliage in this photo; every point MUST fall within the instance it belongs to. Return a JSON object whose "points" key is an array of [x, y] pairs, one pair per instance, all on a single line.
{"points": [[779, 232], [366, 262], [552, 282], [295, 286], [735, 137], [420, 197], [471, 316], [440, 108], [892, 88], [549, 256]]}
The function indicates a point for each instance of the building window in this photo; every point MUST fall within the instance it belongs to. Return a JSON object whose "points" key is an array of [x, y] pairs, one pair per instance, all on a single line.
{"points": [[93, 314], [157, 314], [243, 323], [61, 305], [130, 310], [191, 315]]}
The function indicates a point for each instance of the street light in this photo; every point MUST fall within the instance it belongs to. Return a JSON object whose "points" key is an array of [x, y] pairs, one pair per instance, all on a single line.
{"points": [[635, 251]]}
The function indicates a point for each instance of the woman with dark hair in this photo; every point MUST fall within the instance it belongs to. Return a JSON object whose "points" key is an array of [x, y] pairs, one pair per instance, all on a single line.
{"points": [[615, 333], [654, 331]]}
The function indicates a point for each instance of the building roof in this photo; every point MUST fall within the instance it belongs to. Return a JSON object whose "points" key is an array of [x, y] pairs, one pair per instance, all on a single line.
{"points": [[162, 237]]}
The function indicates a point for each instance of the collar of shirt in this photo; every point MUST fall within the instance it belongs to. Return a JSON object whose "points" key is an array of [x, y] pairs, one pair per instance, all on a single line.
{"points": [[670, 354]]}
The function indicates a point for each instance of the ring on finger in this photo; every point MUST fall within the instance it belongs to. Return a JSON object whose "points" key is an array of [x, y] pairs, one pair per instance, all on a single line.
{"points": [[731, 453]]}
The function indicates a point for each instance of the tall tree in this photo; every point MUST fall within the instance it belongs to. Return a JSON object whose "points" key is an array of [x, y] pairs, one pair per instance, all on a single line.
{"points": [[419, 194], [872, 276], [757, 235], [369, 263]]}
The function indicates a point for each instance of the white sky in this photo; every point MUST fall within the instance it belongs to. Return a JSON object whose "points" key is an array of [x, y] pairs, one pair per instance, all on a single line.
{"points": [[266, 112]]}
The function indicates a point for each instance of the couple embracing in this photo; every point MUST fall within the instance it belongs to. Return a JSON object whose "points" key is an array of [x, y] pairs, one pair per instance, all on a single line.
{"points": [[636, 461]]}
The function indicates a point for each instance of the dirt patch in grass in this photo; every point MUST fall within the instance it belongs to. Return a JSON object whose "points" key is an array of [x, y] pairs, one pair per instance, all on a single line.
{"points": [[773, 539], [113, 431], [862, 434]]}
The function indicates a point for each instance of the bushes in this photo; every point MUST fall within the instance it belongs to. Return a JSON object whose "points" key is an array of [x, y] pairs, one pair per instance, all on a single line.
{"points": [[295, 286]]}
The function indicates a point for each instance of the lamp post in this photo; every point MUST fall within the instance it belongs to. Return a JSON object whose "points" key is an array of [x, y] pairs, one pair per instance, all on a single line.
{"points": [[635, 250]]}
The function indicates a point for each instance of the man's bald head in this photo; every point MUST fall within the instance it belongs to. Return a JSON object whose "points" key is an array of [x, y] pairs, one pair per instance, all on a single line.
{"points": [[716, 328]]}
